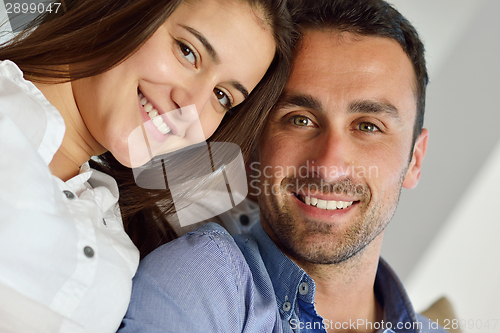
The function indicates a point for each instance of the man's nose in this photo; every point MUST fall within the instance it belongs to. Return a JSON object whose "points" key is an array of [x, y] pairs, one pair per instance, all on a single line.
{"points": [[331, 157]]}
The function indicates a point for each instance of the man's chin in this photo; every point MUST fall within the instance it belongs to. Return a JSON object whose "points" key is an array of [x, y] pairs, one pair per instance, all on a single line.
{"points": [[324, 253]]}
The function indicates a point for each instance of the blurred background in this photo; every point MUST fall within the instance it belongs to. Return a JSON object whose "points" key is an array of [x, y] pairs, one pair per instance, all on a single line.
{"points": [[443, 240]]}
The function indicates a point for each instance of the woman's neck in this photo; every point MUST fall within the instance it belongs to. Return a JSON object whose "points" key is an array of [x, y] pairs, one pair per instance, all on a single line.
{"points": [[78, 144]]}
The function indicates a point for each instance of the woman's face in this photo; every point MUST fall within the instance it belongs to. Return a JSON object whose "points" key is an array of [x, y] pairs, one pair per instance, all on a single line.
{"points": [[204, 59]]}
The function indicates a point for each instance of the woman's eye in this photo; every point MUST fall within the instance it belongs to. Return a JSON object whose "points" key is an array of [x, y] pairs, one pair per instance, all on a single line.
{"points": [[302, 121], [367, 127], [188, 53], [222, 98]]}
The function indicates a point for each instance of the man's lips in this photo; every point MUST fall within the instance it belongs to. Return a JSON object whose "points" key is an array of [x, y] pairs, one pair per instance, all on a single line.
{"points": [[327, 202]]}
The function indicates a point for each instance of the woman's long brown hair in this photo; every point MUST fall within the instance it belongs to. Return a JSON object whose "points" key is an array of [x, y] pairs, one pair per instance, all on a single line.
{"points": [[92, 36]]}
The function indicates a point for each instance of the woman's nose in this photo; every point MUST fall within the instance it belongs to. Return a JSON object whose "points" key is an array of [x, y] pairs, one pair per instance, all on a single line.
{"points": [[197, 92], [188, 113], [190, 99], [188, 125]]}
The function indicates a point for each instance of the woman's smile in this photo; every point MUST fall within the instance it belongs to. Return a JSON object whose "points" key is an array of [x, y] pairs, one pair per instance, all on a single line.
{"points": [[162, 132], [182, 80], [154, 115]]}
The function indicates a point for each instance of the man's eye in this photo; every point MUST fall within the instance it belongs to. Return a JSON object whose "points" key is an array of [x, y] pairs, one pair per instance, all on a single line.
{"points": [[188, 53], [302, 121], [222, 98], [368, 127]]}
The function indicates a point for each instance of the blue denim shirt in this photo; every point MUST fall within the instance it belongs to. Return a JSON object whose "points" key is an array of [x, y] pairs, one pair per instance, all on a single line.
{"points": [[210, 281]]}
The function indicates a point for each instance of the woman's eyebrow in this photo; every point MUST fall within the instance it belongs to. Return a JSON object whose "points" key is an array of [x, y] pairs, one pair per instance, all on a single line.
{"points": [[210, 49], [238, 86]]}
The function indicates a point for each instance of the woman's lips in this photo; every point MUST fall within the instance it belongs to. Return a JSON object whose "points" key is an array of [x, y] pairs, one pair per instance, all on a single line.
{"points": [[158, 126], [154, 114], [170, 124], [152, 134]]}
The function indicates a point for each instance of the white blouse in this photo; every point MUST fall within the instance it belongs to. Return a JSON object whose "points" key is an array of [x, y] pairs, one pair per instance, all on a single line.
{"points": [[66, 263]]}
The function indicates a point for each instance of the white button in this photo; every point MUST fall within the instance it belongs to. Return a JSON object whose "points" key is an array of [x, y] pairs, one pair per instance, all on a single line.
{"points": [[287, 306], [303, 288]]}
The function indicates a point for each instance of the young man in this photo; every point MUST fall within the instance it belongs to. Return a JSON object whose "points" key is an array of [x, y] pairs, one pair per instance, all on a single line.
{"points": [[344, 138]]}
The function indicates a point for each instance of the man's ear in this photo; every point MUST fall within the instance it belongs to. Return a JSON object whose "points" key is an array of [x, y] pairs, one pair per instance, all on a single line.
{"points": [[413, 173]]}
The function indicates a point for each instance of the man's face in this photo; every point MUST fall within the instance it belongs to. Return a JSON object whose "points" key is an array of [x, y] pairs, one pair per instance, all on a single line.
{"points": [[335, 151]]}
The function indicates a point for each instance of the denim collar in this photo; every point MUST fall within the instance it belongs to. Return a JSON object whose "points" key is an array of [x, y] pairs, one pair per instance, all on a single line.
{"points": [[285, 275], [393, 297]]}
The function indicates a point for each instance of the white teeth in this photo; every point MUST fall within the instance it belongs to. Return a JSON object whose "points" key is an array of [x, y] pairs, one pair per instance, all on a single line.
{"points": [[321, 204], [154, 115], [158, 121], [331, 205], [148, 107], [325, 204], [163, 128]]}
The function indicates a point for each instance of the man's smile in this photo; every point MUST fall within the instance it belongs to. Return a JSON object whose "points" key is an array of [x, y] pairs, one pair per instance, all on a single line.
{"points": [[324, 204]]}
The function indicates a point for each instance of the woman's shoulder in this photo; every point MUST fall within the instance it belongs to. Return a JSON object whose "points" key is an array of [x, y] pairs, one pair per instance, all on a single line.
{"points": [[11, 77], [9, 69], [31, 113]]}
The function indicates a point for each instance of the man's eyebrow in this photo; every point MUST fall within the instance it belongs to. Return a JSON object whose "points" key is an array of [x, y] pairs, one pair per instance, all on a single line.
{"points": [[205, 42], [374, 107], [300, 100]]}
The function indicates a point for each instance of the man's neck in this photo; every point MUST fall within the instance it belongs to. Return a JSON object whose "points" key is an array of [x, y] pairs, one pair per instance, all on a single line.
{"points": [[344, 291]]}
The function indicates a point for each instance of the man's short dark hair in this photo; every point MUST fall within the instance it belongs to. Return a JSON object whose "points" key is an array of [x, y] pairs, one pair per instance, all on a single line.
{"points": [[368, 18]]}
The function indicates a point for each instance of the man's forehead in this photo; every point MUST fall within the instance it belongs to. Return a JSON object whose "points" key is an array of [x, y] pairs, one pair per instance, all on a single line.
{"points": [[324, 48], [335, 63]]}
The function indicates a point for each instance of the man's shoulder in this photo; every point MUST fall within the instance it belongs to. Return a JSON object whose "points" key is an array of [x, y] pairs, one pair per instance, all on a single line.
{"points": [[192, 284], [209, 248], [200, 282]]}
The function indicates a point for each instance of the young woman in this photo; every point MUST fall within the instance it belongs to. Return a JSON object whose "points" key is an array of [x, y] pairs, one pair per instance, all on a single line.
{"points": [[75, 85]]}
